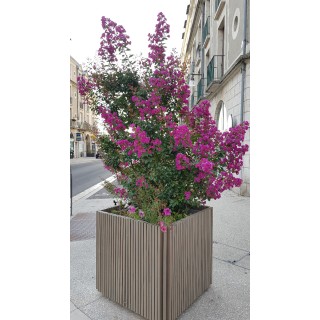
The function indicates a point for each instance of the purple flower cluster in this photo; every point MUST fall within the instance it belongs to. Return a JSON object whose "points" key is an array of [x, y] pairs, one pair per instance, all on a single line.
{"points": [[113, 39], [182, 136], [182, 161], [111, 119], [84, 85], [156, 44], [121, 192], [141, 182]]}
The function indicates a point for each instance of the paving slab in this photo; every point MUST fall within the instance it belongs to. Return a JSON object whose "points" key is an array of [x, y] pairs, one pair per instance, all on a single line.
{"points": [[231, 220], [244, 262], [228, 298], [72, 307], [78, 315], [227, 253], [104, 309]]}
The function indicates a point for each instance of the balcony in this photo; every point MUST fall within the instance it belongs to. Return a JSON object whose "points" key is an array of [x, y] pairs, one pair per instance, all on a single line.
{"points": [[206, 32], [85, 126], [215, 70]]}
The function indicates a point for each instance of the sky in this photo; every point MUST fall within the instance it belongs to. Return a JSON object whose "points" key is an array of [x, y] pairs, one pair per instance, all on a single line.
{"points": [[138, 17]]}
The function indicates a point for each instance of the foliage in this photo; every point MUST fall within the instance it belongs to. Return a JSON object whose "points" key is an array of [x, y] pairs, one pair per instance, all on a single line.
{"points": [[168, 159]]}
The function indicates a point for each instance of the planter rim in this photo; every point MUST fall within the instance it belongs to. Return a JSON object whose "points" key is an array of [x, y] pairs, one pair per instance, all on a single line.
{"points": [[152, 224]]}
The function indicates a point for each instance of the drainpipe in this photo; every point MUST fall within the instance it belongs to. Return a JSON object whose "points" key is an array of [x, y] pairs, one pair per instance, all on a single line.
{"points": [[243, 66], [78, 145], [202, 48], [77, 72]]}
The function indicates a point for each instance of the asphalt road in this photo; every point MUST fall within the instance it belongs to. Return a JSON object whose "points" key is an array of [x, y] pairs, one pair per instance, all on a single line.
{"points": [[86, 175]]}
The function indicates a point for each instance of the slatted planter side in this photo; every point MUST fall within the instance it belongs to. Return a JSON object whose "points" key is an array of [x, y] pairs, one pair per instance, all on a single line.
{"points": [[156, 275]]}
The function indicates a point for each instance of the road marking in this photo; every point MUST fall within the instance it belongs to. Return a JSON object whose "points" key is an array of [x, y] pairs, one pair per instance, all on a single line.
{"points": [[87, 193]]}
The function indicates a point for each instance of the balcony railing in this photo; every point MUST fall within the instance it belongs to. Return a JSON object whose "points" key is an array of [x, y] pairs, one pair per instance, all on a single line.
{"points": [[206, 32], [81, 125], [86, 126], [215, 69]]}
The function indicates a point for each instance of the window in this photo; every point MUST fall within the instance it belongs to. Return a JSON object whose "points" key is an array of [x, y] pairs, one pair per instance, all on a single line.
{"points": [[217, 4], [236, 23], [224, 120]]}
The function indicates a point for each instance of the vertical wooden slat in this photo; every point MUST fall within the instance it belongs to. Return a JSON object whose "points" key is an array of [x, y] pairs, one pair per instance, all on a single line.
{"points": [[123, 261], [164, 276], [151, 285], [116, 260], [157, 287], [132, 253], [142, 273], [158, 282], [179, 275], [138, 304], [104, 268], [146, 271], [97, 252], [107, 251]]}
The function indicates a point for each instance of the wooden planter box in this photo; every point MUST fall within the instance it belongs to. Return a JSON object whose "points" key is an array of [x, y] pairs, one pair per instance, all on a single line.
{"points": [[156, 275]]}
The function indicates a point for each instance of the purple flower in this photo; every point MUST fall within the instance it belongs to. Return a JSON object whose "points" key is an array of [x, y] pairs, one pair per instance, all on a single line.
{"points": [[163, 227], [141, 214], [166, 211], [182, 161], [205, 165], [187, 195], [131, 209]]}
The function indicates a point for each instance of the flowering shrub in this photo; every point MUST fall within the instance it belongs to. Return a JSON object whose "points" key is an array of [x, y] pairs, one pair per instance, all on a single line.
{"points": [[167, 159]]}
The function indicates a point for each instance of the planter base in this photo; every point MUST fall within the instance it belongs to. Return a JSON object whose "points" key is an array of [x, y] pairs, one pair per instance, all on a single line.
{"points": [[156, 275]]}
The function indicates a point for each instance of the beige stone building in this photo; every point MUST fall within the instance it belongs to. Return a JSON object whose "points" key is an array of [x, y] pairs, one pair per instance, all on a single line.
{"points": [[83, 122], [216, 46]]}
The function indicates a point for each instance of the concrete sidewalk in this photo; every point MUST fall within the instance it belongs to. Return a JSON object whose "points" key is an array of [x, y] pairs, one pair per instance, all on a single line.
{"points": [[227, 298]]}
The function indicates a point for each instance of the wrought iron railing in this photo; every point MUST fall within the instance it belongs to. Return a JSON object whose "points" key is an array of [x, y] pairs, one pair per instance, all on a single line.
{"points": [[215, 69]]}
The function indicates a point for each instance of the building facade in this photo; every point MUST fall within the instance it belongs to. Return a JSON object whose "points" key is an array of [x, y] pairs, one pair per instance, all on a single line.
{"points": [[216, 47], [83, 122]]}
